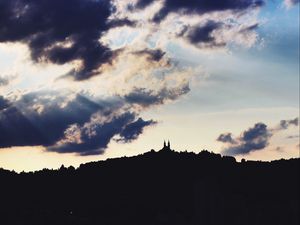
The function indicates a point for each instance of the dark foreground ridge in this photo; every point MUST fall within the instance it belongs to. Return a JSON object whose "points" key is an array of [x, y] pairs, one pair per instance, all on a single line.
{"points": [[156, 188]]}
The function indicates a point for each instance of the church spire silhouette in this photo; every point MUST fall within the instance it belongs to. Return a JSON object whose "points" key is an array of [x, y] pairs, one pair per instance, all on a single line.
{"points": [[167, 147]]}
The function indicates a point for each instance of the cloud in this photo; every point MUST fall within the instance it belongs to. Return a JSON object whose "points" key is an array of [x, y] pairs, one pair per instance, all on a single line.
{"points": [[7, 80], [76, 35], [141, 4], [203, 34], [134, 129], [217, 34], [226, 138], [293, 136], [199, 6], [254, 139], [146, 98], [279, 149], [204, 24], [78, 117], [285, 124], [61, 32], [290, 3], [64, 122], [4, 103], [95, 134], [152, 54], [142, 75], [67, 122], [4, 81], [41, 118]]}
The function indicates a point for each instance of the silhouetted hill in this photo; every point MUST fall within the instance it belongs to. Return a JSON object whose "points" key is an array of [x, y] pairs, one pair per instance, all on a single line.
{"points": [[155, 188]]}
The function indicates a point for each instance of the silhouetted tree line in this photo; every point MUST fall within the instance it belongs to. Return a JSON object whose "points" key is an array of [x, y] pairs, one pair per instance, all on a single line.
{"points": [[156, 188]]}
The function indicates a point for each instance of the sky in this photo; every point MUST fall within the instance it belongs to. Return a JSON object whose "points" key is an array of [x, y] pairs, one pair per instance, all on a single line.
{"points": [[87, 80]]}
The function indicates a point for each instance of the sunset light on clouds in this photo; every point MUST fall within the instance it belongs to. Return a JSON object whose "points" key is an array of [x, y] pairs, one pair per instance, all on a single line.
{"points": [[97, 79]]}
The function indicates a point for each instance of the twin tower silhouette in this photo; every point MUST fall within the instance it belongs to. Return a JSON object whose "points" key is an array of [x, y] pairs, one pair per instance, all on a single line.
{"points": [[167, 147]]}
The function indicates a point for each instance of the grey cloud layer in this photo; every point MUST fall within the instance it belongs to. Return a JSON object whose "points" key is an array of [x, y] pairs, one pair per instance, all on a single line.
{"points": [[254, 139]]}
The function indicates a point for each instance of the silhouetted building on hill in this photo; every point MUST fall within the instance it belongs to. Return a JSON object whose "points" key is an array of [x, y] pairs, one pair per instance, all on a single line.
{"points": [[156, 188], [167, 147]]}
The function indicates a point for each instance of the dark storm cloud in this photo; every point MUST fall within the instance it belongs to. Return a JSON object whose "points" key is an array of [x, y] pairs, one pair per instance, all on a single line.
{"points": [[46, 25], [253, 139], [198, 6]]}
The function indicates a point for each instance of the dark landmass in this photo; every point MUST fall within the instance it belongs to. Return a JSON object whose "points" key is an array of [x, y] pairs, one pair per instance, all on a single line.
{"points": [[156, 188]]}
